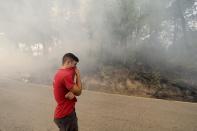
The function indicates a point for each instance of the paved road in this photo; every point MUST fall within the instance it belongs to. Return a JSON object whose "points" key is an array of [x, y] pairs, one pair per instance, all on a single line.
{"points": [[29, 107]]}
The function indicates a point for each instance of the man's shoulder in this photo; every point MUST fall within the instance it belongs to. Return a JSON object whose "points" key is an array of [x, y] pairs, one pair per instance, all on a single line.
{"points": [[58, 74], [63, 74]]}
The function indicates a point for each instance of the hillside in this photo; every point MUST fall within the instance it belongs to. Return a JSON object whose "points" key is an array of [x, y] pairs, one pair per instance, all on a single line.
{"points": [[141, 80]]}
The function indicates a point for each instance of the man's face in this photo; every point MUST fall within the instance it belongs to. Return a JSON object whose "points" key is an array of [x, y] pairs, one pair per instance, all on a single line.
{"points": [[71, 63]]}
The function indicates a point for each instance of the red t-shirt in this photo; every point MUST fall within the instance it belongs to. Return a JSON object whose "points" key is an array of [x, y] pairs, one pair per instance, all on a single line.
{"points": [[62, 83]]}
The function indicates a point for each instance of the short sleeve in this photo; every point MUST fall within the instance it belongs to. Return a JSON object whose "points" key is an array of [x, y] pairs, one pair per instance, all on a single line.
{"points": [[69, 82]]}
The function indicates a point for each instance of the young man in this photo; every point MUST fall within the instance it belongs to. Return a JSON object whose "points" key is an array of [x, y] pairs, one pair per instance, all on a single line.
{"points": [[65, 90]]}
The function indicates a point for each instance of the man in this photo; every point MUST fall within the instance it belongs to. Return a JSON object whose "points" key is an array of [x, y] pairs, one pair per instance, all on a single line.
{"points": [[65, 90]]}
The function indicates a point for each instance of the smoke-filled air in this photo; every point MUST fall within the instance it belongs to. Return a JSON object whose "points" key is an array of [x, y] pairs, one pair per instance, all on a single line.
{"points": [[128, 50]]}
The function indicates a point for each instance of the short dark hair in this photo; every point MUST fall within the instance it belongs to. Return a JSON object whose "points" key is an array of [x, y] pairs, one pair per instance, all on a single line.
{"points": [[69, 56]]}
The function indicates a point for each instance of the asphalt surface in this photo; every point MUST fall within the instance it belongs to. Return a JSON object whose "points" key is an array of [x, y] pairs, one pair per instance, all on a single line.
{"points": [[30, 107]]}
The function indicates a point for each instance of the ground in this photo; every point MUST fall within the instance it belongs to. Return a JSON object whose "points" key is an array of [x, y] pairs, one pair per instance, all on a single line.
{"points": [[29, 107]]}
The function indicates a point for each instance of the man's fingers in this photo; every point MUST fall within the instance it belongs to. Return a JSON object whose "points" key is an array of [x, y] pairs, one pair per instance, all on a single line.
{"points": [[76, 70], [69, 95]]}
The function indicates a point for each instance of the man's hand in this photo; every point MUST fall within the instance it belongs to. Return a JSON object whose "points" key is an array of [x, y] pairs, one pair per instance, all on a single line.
{"points": [[77, 88], [77, 72], [69, 95]]}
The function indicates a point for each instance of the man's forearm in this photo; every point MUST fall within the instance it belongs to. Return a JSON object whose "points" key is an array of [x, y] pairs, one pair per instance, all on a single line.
{"points": [[78, 81], [78, 86]]}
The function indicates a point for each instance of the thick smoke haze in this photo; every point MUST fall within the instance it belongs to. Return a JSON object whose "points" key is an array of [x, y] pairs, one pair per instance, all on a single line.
{"points": [[35, 34], [130, 52]]}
